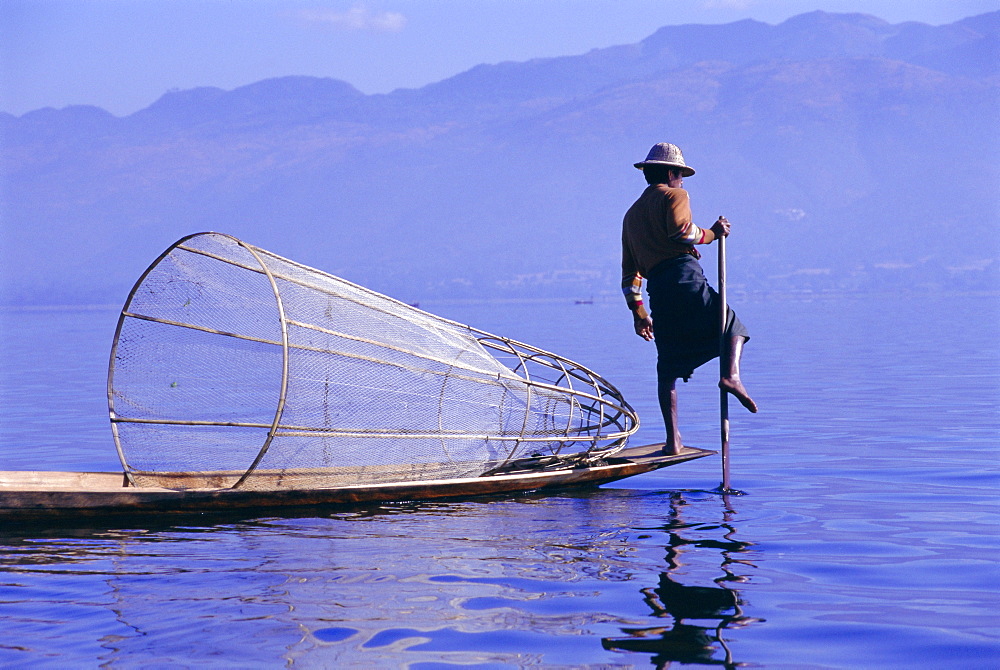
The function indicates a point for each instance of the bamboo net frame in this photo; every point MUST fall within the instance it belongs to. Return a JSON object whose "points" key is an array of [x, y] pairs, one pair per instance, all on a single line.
{"points": [[231, 360]]}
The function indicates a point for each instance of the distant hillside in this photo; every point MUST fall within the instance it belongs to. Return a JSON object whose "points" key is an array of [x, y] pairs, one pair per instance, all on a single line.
{"points": [[850, 153]]}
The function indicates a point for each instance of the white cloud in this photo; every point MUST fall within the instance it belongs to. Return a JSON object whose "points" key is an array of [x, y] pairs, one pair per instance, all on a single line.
{"points": [[792, 213], [356, 18], [727, 4]]}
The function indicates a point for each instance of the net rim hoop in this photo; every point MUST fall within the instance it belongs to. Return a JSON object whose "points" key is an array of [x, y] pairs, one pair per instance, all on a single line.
{"points": [[284, 352]]}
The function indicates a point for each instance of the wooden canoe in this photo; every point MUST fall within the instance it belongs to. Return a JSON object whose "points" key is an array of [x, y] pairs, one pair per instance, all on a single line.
{"points": [[32, 495]]}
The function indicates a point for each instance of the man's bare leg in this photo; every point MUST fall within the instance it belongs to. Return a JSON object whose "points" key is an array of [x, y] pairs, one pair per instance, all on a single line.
{"points": [[731, 383], [668, 405]]}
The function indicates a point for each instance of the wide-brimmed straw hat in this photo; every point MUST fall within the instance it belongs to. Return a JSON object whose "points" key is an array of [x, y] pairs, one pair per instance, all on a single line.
{"points": [[669, 155]]}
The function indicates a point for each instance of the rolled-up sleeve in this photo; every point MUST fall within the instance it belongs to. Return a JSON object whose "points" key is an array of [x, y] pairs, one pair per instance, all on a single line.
{"points": [[631, 280], [680, 227]]}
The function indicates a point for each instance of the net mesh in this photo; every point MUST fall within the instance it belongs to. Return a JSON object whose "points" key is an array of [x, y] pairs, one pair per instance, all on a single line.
{"points": [[233, 366]]}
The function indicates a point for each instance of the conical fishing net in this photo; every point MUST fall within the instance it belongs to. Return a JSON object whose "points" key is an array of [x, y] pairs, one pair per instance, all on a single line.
{"points": [[233, 366]]}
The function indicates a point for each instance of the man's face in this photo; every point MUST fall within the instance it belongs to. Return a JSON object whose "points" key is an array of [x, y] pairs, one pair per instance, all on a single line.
{"points": [[676, 180]]}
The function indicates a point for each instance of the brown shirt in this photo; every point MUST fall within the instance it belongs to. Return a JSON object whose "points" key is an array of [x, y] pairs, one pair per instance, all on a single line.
{"points": [[657, 227]]}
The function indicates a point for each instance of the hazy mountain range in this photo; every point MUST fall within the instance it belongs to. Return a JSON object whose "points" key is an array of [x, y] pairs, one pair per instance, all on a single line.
{"points": [[849, 153]]}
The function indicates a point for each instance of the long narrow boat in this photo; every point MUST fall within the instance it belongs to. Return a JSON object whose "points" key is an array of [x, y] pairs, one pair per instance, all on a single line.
{"points": [[241, 380], [27, 496]]}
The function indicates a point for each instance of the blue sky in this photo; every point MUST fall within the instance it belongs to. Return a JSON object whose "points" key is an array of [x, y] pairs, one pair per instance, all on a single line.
{"points": [[124, 54]]}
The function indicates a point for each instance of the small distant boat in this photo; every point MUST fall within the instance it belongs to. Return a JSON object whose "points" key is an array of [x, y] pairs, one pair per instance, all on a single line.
{"points": [[584, 302], [48, 496]]}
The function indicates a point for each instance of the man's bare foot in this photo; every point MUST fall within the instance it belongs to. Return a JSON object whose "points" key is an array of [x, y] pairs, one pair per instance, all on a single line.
{"points": [[735, 387], [673, 447]]}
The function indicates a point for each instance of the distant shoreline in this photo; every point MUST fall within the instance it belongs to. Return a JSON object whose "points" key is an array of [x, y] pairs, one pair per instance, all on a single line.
{"points": [[743, 294]]}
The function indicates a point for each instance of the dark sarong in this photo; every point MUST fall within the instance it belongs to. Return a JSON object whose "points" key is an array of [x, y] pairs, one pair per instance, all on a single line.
{"points": [[685, 313]]}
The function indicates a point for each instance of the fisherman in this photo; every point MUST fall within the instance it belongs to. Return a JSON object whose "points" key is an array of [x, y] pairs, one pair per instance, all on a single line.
{"points": [[658, 244]]}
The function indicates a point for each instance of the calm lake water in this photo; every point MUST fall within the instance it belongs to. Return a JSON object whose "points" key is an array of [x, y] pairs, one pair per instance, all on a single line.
{"points": [[868, 537]]}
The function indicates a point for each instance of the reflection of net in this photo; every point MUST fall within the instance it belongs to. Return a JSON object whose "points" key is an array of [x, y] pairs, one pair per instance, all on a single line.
{"points": [[235, 367]]}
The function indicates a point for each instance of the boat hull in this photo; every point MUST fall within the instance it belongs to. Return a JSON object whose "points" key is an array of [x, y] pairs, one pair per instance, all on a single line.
{"points": [[31, 495]]}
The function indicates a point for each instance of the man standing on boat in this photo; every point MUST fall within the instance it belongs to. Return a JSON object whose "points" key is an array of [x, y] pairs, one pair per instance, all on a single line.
{"points": [[658, 243]]}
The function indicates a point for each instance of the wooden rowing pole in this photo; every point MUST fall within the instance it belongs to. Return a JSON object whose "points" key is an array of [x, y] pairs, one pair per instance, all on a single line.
{"points": [[723, 369]]}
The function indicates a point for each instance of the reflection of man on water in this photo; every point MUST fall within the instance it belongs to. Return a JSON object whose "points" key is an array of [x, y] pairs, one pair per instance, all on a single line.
{"points": [[682, 642], [689, 602]]}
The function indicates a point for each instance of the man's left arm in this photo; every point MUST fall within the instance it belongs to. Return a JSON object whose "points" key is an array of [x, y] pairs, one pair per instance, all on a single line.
{"points": [[632, 290], [641, 321]]}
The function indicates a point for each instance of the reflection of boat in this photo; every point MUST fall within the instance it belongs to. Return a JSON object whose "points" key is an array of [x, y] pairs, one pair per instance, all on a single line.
{"points": [[47, 495]]}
